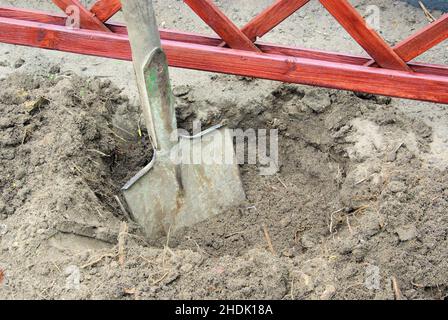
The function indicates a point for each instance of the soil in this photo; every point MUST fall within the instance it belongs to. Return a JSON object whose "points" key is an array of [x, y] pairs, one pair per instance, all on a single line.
{"points": [[359, 203]]}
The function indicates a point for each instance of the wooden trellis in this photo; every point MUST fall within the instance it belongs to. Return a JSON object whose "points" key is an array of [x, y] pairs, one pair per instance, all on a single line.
{"points": [[386, 71]]}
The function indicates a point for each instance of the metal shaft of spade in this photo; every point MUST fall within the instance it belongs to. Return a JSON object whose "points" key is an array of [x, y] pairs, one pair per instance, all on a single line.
{"points": [[154, 86]]}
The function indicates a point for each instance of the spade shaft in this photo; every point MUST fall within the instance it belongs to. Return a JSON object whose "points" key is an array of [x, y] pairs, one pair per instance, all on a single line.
{"points": [[154, 86]]}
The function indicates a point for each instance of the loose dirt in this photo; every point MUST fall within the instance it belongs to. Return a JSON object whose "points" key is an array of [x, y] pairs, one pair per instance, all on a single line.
{"points": [[352, 206]]}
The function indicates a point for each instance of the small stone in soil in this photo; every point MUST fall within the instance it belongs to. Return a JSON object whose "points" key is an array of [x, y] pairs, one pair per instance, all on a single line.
{"points": [[397, 186], [55, 69], [391, 157], [292, 110], [329, 292], [7, 154], [359, 253], [20, 174], [6, 123], [34, 106], [317, 100], [20, 62], [308, 241], [181, 91], [3, 229], [406, 233]]}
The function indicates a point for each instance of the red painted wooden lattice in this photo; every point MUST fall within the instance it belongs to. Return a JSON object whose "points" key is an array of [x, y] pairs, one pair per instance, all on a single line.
{"points": [[387, 71]]}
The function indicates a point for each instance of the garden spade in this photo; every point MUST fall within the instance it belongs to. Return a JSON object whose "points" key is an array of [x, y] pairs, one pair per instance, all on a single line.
{"points": [[190, 178]]}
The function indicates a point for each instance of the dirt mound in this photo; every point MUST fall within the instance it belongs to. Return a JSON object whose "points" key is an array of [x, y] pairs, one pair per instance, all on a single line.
{"points": [[353, 208]]}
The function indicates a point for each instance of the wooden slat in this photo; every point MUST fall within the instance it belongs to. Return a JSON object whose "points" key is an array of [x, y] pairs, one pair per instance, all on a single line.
{"points": [[105, 9], [33, 15], [222, 25], [271, 17], [87, 19], [366, 37], [245, 63], [187, 37], [423, 40]]}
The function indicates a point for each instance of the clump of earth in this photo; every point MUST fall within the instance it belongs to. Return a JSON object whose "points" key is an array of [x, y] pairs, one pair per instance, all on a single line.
{"points": [[354, 211]]}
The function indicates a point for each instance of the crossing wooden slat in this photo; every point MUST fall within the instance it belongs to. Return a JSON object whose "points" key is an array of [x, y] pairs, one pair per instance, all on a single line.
{"points": [[423, 40], [222, 25], [87, 19], [105, 9], [271, 17], [314, 72], [366, 37]]}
